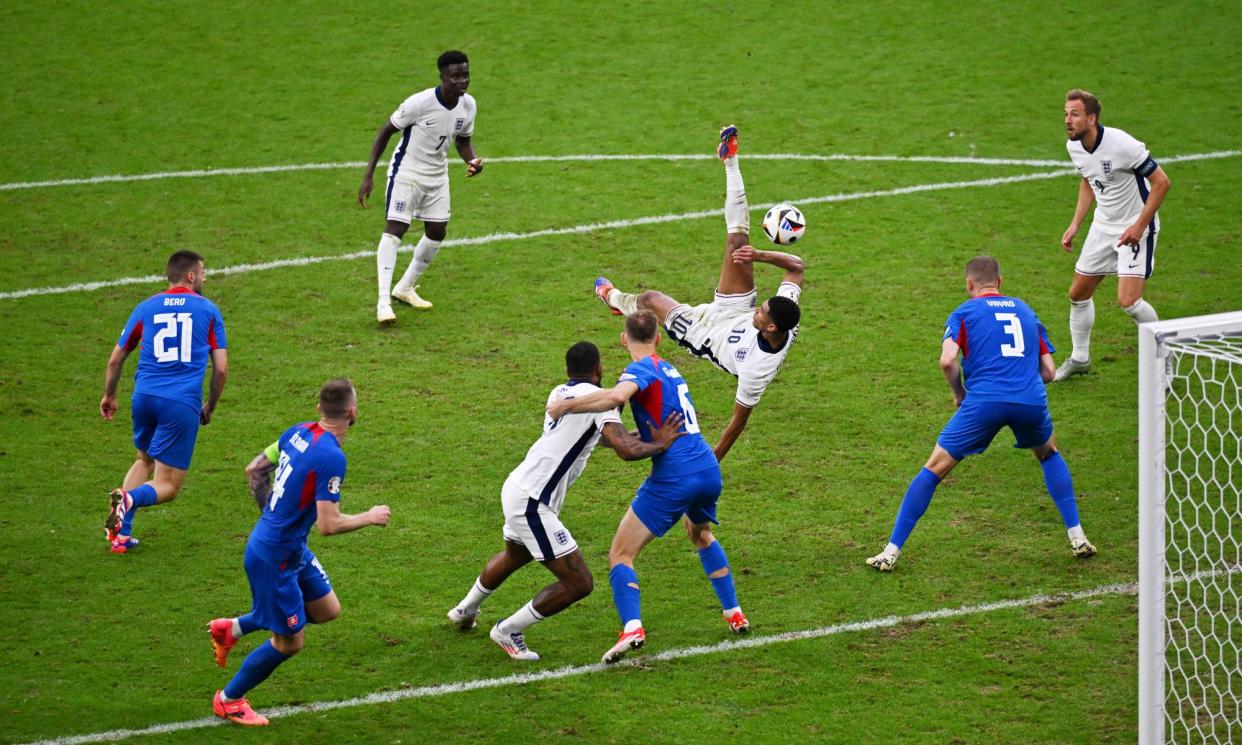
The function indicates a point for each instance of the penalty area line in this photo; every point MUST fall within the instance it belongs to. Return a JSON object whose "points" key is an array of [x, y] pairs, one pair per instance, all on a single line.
{"points": [[521, 679]]}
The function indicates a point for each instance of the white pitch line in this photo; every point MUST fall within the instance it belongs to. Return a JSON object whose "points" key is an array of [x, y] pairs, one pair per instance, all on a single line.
{"points": [[836, 157], [520, 679], [508, 236], [254, 170]]}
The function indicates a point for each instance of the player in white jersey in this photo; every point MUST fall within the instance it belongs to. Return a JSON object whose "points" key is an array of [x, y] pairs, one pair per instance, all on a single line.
{"points": [[418, 185], [1127, 186], [532, 498], [745, 341]]}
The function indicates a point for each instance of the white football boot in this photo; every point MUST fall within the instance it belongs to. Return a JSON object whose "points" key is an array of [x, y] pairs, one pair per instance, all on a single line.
{"points": [[463, 620], [410, 297], [514, 645], [1070, 368]]}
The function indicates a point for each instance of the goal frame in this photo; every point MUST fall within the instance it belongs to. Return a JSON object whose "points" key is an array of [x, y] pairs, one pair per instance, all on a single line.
{"points": [[1152, 383]]}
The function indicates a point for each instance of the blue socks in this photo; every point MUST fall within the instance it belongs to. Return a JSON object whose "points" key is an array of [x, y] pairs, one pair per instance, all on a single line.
{"points": [[624, 596], [918, 496], [247, 623], [713, 559], [143, 496], [1061, 488], [254, 670]]}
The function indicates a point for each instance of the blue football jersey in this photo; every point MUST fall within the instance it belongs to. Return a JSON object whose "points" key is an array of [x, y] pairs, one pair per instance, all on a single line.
{"points": [[661, 392], [311, 469], [1001, 340], [177, 329]]}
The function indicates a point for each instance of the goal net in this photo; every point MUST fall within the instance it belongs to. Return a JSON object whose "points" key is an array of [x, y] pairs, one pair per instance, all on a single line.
{"points": [[1190, 530]]}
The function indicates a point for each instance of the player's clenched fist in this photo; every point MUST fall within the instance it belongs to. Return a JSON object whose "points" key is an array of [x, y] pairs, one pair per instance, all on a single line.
{"points": [[107, 407], [1067, 240], [380, 515], [474, 167]]}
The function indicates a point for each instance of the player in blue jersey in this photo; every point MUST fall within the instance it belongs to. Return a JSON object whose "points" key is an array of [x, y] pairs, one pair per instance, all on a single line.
{"points": [[1006, 362], [684, 483], [288, 585], [176, 331]]}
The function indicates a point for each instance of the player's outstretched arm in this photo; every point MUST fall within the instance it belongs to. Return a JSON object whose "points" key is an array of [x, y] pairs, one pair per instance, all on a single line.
{"points": [[595, 402], [378, 147], [219, 374], [259, 475], [737, 423], [332, 521], [112, 376], [1159, 187], [793, 265], [629, 446], [952, 371], [1086, 197], [474, 164]]}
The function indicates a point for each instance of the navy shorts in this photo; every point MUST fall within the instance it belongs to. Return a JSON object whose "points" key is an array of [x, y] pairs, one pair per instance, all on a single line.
{"points": [[974, 425], [280, 590], [165, 429], [660, 503]]}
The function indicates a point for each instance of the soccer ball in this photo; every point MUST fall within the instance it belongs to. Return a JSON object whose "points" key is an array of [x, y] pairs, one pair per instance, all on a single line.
{"points": [[784, 224]]}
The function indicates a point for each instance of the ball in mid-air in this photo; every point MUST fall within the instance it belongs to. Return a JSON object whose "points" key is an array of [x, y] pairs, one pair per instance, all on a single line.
{"points": [[784, 224]]}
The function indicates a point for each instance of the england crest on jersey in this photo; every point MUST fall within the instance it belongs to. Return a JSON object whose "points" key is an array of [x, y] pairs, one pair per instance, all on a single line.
{"points": [[461, 122], [1107, 165]]}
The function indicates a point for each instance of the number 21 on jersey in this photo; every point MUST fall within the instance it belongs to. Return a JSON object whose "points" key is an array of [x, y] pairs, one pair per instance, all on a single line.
{"points": [[174, 338]]}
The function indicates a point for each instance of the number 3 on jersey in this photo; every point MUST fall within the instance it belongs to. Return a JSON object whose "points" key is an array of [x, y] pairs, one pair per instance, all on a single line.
{"points": [[177, 327], [1013, 327], [687, 409]]}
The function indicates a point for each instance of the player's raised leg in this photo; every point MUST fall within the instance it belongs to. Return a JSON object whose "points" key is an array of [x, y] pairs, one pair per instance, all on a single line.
{"points": [[1081, 321], [626, 303], [631, 536], [574, 582], [735, 279], [225, 632], [716, 567], [1061, 489], [165, 484], [913, 506], [513, 557]]}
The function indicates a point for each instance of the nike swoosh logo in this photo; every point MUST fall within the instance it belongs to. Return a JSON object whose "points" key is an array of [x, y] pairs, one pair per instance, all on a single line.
{"points": [[1132, 266]]}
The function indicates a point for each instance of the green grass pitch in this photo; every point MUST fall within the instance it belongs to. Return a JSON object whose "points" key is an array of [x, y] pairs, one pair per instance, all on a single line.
{"points": [[451, 399]]}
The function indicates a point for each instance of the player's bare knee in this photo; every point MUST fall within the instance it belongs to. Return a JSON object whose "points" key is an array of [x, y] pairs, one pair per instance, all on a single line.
{"points": [[649, 299], [1127, 299], [288, 645], [435, 230]]}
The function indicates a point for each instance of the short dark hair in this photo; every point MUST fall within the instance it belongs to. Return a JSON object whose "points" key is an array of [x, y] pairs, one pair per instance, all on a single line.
{"points": [[180, 263], [452, 57], [581, 359], [1090, 103], [983, 269], [784, 312], [335, 398], [641, 326]]}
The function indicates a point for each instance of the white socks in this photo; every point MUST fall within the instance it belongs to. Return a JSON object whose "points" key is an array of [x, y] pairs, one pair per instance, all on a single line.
{"points": [[237, 632], [625, 302], [474, 598], [1082, 318], [519, 621], [892, 550], [631, 625], [736, 209], [1075, 533], [385, 262], [1142, 312], [424, 252]]}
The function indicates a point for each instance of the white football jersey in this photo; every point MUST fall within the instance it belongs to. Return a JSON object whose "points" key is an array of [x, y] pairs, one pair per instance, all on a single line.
{"points": [[750, 358], [1117, 170], [558, 457], [428, 130]]}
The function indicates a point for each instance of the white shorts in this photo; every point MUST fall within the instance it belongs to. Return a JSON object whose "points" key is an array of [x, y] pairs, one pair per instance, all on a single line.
{"points": [[408, 201], [707, 330], [1102, 256], [534, 525]]}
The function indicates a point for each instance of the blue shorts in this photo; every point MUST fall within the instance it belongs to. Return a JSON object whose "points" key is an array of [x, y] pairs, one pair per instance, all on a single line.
{"points": [[974, 425], [280, 590], [165, 429], [660, 503]]}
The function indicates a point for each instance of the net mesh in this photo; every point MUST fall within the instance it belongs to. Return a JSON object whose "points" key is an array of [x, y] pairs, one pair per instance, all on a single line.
{"points": [[1203, 533]]}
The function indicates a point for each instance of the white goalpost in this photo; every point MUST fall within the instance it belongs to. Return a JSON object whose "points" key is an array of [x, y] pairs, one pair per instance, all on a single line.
{"points": [[1190, 530]]}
